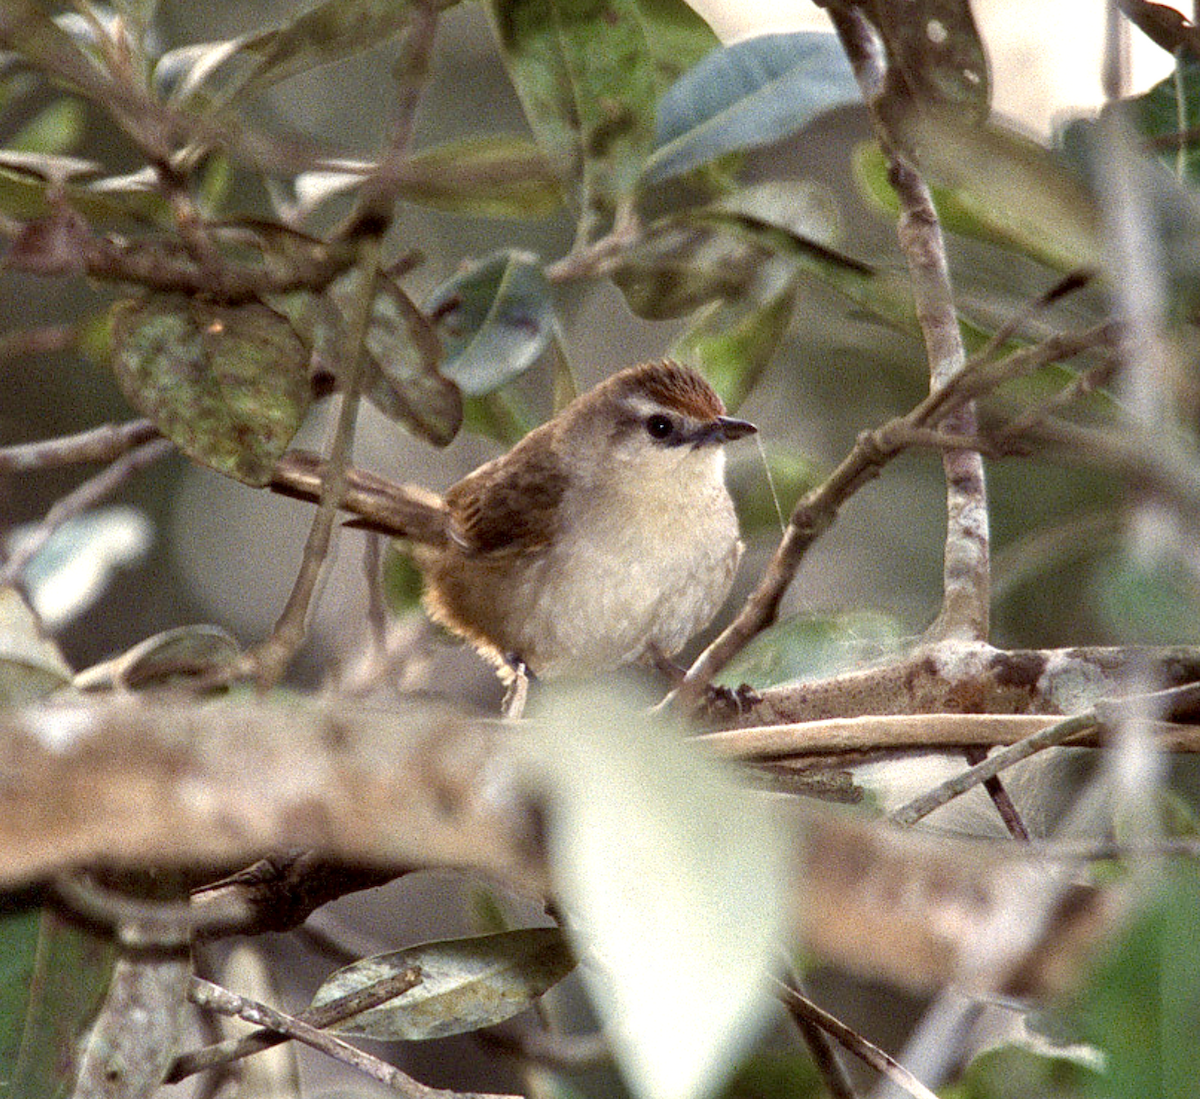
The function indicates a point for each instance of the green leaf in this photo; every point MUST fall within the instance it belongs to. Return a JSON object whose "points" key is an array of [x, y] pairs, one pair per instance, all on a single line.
{"points": [[31, 665], [1014, 1072], [1173, 106], [732, 342], [329, 31], [806, 647], [672, 874], [167, 659], [790, 477], [64, 982], [54, 129], [402, 581], [227, 384], [407, 382], [1010, 187], [589, 73], [936, 45], [493, 176], [1155, 602], [495, 319], [748, 94], [465, 984], [1141, 1007]]}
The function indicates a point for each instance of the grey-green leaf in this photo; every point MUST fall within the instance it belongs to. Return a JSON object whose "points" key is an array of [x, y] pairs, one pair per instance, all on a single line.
{"points": [[227, 384], [745, 95], [465, 983], [31, 665], [495, 319], [404, 380]]}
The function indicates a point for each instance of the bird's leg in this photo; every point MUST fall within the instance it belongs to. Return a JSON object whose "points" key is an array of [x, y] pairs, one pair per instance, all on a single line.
{"points": [[719, 700], [513, 706]]}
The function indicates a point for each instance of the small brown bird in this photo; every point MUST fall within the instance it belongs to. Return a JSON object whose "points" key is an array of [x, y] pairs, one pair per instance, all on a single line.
{"points": [[604, 537]]}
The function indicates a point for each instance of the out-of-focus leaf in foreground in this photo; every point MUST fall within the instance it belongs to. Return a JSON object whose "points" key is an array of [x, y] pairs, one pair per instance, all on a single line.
{"points": [[672, 878]]}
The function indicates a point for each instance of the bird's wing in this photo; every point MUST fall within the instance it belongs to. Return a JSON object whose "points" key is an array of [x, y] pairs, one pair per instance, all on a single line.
{"points": [[508, 506]]}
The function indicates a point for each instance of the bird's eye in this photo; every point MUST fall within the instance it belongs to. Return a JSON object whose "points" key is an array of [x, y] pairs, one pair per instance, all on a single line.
{"points": [[659, 426]]}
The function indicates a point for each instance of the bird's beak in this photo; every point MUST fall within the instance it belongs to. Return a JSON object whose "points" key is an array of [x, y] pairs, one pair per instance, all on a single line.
{"points": [[730, 429]]}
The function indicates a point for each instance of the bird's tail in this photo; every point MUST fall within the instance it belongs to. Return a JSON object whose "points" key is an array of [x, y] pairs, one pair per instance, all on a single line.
{"points": [[401, 511]]}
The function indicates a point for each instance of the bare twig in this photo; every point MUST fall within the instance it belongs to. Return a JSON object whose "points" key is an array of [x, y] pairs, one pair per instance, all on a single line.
{"points": [[344, 1007], [99, 444], [87, 495], [207, 995], [966, 595], [998, 792], [820, 1045], [803, 1008], [815, 512], [269, 660], [990, 767]]}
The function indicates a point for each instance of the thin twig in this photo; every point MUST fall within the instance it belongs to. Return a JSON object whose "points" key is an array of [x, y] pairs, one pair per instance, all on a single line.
{"points": [[816, 511], [990, 767], [966, 581], [207, 995], [998, 792], [269, 660], [820, 1047], [99, 444], [267, 1037], [87, 495], [803, 1008]]}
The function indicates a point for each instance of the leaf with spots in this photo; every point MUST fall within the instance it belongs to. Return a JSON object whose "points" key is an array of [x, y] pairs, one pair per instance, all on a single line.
{"points": [[228, 385]]}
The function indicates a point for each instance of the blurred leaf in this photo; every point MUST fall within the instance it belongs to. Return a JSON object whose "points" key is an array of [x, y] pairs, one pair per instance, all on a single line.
{"points": [[137, 17], [1141, 1007], [1015, 1072], [18, 943], [493, 176], [936, 45], [179, 75], [407, 383], [48, 167], [166, 659], [65, 983], [326, 32], [748, 94], [227, 384], [402, 583], [1172, 106], [791, 476], [776, 1076], [31, 665], [1171, 210], [54, 129], [673, 881], [589, 73], [28, 30], [732, 342], [1007, 186], [1149, 602], [495, 319], [465, 984], [806, 647], [72, 570]]}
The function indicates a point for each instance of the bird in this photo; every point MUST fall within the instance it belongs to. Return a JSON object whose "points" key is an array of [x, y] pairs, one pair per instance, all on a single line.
{"points": [[605, 537]]}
